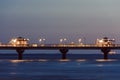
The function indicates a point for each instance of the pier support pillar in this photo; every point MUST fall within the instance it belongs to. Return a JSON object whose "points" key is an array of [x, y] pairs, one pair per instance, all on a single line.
{"points": [[20, 53], [105, 52], [64, 52]]}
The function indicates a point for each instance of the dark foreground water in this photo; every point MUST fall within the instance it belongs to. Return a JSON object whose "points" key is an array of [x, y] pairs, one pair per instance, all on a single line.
{"points": [[51, 67]]}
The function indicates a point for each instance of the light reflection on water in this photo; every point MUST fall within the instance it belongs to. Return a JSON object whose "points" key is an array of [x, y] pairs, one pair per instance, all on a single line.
{"points": [[67, 69], [105, 60], [100, 65], [64, 60], [45, 60], [80, 60], [17, 61]]}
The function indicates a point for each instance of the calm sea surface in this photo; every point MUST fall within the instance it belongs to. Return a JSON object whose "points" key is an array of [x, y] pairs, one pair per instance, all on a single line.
{"points": [[52, 67]]}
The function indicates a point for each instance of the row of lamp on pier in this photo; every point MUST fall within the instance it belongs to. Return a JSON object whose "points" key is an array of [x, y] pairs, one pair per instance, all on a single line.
{"points": [[20, 41]]}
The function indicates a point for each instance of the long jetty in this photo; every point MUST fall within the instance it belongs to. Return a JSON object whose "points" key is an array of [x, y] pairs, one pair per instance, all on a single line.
{"points": [[62, 48]]}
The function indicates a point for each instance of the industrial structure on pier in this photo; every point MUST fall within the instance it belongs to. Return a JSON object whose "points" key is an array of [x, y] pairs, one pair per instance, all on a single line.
{"points": [[105, 42], [20, 41]]}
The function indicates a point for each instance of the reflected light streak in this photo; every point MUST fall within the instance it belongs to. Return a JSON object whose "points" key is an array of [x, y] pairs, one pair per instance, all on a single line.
{"points": [[104, 60], [100, 65], [81, 60], [42, 60], [64, 60], [18, 61]]}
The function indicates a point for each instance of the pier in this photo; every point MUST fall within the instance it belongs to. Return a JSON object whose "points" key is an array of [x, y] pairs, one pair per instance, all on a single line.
{"points": [[63, 49], [20, 45]]}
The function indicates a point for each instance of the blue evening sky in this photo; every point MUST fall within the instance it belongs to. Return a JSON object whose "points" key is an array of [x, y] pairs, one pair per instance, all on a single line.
{"points": [[54, 19]]}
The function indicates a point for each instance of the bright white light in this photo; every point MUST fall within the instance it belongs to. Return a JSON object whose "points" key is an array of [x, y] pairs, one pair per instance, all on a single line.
{"points": [[14, 40], [43, 39], [27, 39], [65, 39], [101, 41], [40, 40], [79, 40], [61, 40]]}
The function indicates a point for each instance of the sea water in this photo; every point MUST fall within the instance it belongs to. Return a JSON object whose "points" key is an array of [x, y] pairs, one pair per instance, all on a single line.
{"points": [[52, 67]]}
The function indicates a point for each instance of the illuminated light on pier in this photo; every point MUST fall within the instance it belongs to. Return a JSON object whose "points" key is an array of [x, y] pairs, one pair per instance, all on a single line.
{"points": [[19, 42], [105, 42], [80, 41], [42, 41], [62, 41], [72, 44], [34, 45]]}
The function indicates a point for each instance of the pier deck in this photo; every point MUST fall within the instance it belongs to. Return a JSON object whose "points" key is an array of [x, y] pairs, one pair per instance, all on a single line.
{"points": [[62, 48]]}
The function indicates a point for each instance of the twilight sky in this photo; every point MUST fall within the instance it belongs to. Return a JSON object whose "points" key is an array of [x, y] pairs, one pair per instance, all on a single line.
{"points": [[54, 19]]}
